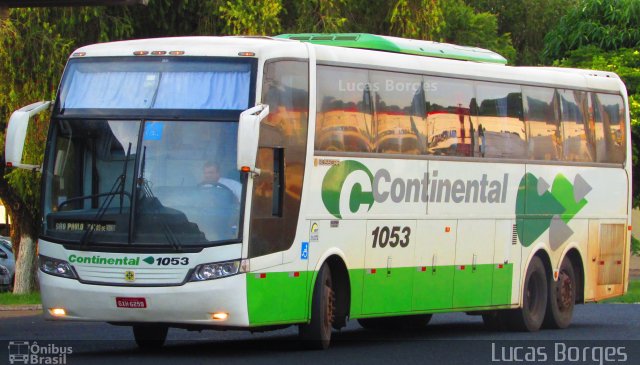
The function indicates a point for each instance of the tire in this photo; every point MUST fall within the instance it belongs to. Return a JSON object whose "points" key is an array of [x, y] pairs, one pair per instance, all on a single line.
{"points": [[562, 297], [529, 318], [414, 322], [495, 320], [316, 334], [150, 337]]}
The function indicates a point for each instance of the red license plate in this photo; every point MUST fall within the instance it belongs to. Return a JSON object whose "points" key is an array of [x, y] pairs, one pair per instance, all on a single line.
{"points": [[123, 302]]}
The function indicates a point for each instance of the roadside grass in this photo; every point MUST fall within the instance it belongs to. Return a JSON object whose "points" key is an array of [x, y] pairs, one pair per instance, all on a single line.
{"points": [[19, 299], [632, 296]]}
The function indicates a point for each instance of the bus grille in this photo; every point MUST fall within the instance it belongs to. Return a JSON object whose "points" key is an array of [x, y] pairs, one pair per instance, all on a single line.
{"points": [[124, 276]]}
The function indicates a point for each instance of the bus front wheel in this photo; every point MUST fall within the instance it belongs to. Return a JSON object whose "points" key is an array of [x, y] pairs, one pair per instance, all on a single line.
{"points": [[534, 302], [317, 333], [150, 337], [562, 297]]}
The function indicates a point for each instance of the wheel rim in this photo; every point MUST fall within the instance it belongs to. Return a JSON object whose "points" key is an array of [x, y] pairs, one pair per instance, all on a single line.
{"points": [[564, 291]]}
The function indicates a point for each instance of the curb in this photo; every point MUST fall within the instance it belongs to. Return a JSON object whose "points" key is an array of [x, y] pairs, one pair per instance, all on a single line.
{"points": [[27, 307]]}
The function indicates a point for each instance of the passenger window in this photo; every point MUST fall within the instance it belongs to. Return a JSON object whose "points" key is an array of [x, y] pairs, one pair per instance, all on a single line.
{"points": [[577, 142], [501, 130], [609, 120], [344, 113], [400, 112], [451, 116], [541, 116]]}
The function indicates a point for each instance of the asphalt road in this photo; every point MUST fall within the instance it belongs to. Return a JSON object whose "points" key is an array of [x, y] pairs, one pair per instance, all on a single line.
{"points": [[600, 334]]}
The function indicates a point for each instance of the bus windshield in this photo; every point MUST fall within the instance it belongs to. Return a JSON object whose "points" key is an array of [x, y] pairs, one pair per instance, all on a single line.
{"points": [[156, 83], [142, 182]]}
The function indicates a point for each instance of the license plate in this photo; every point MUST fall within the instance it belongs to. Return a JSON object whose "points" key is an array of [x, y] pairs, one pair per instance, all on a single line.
{"points": [[122, 302]]}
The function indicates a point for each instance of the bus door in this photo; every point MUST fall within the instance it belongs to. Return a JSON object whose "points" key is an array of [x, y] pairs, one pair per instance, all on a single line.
{"points": [[277, 288]]}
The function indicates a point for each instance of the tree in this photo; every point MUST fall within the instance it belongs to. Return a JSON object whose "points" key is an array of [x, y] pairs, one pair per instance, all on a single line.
{"points": [[527, 21], [419, 19], [34, 46], [315, 16], [607, 24], [465, 26], [251, 17]]}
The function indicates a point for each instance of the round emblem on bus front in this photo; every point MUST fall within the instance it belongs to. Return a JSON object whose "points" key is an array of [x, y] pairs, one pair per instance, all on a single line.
{"points": [[129, 276]]}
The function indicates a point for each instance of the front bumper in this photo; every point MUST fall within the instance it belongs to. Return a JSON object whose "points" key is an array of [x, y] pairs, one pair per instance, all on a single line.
{"points": [[188, 304]]}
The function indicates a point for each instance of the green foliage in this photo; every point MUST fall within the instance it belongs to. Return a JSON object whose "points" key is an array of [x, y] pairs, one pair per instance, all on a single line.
{"points": [[464, 26], [315, 16], [34, 46], [607, 24], [166, 18], [418, 19], [251, 17], [526, 22]]}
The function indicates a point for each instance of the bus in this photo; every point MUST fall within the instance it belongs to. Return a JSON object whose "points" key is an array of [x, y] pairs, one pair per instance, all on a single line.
{"points": [[311, 179]]}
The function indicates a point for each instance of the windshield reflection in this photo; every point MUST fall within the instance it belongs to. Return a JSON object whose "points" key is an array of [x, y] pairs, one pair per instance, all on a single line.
{"points": [[181, 184]]}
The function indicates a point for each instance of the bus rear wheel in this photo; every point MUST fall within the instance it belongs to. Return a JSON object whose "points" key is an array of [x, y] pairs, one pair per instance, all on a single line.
{"points": [[316, 334], [150, 337], [415, 322], [529, 318], [562, 297]]}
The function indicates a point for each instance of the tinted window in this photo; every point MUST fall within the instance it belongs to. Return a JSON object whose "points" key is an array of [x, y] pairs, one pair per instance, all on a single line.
{"points": [[400, 112], [577, 142], [609, 127], [541, 115], [283, 141], [501, 131], [344, 117], [451, 121]]}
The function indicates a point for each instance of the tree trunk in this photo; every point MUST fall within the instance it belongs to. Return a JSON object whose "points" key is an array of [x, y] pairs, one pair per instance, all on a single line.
{"points": [[26, 266], [23, 236]]}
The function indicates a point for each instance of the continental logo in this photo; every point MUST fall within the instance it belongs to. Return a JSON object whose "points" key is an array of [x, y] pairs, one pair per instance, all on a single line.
{"points": [[111, 261], [350, 187], [554, 206]]}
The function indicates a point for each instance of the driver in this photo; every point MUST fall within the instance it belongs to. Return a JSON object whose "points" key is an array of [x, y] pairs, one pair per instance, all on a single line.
{"points": [[211, 177]]}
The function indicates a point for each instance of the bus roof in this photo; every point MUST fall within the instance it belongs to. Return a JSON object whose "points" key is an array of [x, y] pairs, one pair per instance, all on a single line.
{"points": [[286, 46], [399, 45]]}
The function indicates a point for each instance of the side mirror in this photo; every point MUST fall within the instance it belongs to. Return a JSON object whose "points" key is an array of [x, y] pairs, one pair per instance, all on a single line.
{"points": [[17, 133], [248, 135]]}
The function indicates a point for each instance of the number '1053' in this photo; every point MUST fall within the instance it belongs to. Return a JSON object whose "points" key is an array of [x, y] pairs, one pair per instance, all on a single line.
{"points": [[392, 236]]}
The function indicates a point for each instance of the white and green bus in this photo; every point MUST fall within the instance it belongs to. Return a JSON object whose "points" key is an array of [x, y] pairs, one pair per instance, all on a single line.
{"points": [[309, 179]]}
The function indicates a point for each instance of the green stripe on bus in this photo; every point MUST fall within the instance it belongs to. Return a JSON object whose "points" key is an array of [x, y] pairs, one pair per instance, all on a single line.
{"points": [[281, 297], [399, 45]]}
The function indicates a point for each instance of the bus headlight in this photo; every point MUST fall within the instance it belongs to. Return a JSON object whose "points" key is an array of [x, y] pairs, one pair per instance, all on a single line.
{"points": [[56, 267], [216, 270]]}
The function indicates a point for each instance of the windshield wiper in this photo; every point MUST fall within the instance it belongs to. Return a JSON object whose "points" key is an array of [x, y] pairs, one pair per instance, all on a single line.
{"points": [[117, 189], [146, 193]]}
